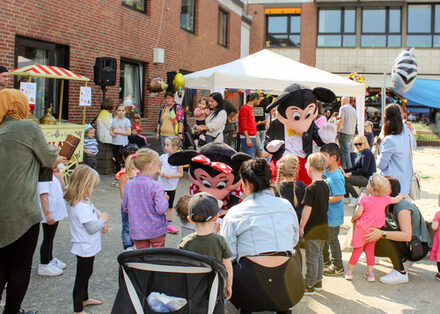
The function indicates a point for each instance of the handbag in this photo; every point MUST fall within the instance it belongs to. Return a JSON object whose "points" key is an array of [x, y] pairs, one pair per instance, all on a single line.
{"points": [[414, 188], [417, 252]]}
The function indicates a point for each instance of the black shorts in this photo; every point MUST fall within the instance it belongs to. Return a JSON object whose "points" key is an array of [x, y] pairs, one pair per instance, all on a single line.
{"points": [[171, 195]]}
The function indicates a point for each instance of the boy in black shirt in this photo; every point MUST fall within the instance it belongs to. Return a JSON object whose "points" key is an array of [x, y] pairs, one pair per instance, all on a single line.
{"points": [[314, 226]]}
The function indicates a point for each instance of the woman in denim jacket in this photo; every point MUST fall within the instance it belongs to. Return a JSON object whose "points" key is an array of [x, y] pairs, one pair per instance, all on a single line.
{"points": [[262, 232]]}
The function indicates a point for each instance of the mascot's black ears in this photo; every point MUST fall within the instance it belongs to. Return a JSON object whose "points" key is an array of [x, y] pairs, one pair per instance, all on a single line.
{"points": [[239, 158], [324, 94], [182, 158]]}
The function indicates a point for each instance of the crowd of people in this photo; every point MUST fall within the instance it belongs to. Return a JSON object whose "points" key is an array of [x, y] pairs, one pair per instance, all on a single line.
{"points": [[258, 240]]}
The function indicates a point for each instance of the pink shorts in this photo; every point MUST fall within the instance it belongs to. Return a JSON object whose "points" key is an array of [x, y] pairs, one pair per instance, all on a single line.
{"points": [[146, 244]]}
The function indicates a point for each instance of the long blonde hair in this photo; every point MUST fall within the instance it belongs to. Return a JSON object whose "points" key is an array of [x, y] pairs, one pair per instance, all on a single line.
{"points": [[81, 182], [287, 168], [142, 159]]}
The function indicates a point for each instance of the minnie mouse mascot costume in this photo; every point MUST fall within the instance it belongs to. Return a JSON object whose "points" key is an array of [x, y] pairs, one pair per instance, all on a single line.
{"points": [[213, 168], [294, 130]]}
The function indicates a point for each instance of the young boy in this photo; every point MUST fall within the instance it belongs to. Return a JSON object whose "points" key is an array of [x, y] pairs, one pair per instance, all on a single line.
{"points": [[336, 184], [182, 212], [90, 147], [313, 226], [368, 128], [203, 211]]}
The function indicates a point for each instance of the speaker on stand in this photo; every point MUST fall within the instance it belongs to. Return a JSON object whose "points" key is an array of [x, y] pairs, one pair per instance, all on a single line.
{"points": [[105, 73]]}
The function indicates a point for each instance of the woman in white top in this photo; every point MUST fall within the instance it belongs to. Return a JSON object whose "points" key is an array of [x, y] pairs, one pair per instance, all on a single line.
{"points": [[215, 122]]}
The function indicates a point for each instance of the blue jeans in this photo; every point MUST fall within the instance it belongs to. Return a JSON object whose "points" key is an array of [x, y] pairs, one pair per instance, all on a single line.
{"points": [[344, 139], [248, 150], [162, 142], [125, 232]]}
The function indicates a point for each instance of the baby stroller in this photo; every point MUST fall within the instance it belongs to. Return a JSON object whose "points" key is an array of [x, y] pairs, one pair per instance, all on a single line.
{"points": [[200, 279]]}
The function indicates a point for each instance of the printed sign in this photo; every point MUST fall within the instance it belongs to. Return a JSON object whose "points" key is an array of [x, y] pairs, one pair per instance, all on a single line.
{"points": [[85, 96], [30, 90]]}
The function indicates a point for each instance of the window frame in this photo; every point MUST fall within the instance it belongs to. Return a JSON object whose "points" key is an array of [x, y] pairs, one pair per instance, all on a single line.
{"points": [[288, 28], [226, 14], [432, 33], [342, 31], [387, 27], [194, 18], [141, 64], [144, 11]]}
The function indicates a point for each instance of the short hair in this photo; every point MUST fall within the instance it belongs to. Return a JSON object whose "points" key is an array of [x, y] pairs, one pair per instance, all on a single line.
{"points": [[317, 161], [332, 149], [345, 99], [182, 207], [174, 140], [363, 139], [369, 123], [107, 104], [168, 93], [136, 116]]}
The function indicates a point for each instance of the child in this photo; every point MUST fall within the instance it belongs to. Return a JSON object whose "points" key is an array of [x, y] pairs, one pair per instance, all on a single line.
{"points": [[123, 176], [120, 130], [336, 184], [90, 147], [86, 225], [203, 211], [182, 212], [370, 213], [145, 201], [202, 111], [369, 133], [313, 225], [53, 209], [136, 137], [334, 118], [169, 177], [435, 251]]}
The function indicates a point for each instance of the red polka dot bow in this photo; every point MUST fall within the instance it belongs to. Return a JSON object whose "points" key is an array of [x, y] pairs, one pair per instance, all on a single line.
{"points": [[219, 166]]}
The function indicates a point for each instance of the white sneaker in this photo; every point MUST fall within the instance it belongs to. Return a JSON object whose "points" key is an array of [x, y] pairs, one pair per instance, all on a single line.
{"points": [[394, 277], [353, 202], [59, 264], [407, 264], [49, 270], [346, 200]]}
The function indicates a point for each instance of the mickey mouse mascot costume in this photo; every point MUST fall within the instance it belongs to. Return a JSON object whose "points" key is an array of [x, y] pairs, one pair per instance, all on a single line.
{"points": [[294, 130]]}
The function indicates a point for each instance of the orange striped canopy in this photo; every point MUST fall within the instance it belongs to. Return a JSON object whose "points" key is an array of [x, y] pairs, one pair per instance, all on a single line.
{"points": [[48, 71]]}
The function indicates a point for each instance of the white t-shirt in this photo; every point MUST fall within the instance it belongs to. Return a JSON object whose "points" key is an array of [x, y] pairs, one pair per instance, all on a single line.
{"points": [[84, 244], [168, 184], [120, 125], [57, 206]]}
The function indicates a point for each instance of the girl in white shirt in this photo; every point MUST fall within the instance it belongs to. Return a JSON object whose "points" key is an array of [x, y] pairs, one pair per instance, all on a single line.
{"points": [[86, 225]]}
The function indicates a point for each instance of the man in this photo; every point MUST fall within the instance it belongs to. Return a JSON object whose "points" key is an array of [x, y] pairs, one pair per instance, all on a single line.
{"points": [[260, 119], [346, 129], [229, 131], [4, 77], [247, 126]]}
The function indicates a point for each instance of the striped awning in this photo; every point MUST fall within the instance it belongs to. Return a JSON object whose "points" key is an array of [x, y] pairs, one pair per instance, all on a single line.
{"points": [[48, 71]]}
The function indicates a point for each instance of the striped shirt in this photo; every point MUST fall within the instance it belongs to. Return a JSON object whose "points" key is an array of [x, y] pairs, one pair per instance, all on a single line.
{"points": [[91, 145]]}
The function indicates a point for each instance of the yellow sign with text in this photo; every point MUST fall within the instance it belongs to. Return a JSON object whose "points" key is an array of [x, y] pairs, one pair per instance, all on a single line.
{"points": [[274, 11]]}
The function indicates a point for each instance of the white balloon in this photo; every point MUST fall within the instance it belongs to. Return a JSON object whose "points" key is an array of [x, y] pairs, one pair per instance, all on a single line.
{"points": [[404, 71]]}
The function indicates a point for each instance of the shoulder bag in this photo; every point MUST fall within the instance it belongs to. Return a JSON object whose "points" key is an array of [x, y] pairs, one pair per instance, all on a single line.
{"points": [[414, 188]]}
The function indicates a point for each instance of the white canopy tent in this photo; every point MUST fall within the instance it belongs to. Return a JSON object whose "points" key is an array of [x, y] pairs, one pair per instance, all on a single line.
{"points": [[273, 72]]}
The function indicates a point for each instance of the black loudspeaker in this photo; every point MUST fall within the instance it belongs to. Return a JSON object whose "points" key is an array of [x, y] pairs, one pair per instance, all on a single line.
{"points": [[105, 71]]}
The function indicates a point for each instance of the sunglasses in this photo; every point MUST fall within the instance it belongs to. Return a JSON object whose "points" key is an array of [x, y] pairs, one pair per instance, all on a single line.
{"points": [[358, 144], [371, 182]]}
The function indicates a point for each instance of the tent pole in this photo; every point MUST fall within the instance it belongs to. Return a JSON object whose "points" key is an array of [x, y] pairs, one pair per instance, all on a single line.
{"points": [[84, 111], [61, 101], [383, 98]]}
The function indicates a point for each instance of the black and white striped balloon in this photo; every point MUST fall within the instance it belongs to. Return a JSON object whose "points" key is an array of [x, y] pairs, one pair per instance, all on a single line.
{"points": [[404, 71]]}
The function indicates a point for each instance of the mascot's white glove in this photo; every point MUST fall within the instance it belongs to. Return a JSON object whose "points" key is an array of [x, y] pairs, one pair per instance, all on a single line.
{"points": [[274, 146], [328, 133]]}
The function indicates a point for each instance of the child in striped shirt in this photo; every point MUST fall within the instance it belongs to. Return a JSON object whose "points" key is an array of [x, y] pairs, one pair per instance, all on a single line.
{"points": [[90, 147]]}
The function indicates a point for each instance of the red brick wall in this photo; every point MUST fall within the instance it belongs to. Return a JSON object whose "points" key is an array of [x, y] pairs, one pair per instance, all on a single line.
{"points": [[309, 28], [258, 28], [101, 28]]}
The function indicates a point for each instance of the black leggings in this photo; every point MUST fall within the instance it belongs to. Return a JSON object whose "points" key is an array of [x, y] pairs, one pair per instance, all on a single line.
{"points": [[438, 266], [117, 155], [46, 248], [84, 270], [15, 268]]}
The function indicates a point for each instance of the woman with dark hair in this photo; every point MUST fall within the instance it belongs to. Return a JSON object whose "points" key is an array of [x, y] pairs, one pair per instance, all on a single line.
{"points": [[215, 122], [395, 149], [262, 232], [403, 222], [171, 118]]}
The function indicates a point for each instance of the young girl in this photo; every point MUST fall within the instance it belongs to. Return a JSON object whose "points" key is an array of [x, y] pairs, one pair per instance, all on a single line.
{"points": [[136, 137], [86, 225], [202, 111], [123, 176], [53, 209], [370, 213], [435, 251], [286, 185], [182, 212], [169, 177], [120, 130], [145, 201]]}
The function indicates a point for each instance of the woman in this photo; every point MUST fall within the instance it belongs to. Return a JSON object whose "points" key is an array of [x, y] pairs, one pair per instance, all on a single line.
{"points": [[402, 223], [364, 167], [395, 149], [262, 232], [170, 121], [215, 122], [104, 122], [23, 151]]}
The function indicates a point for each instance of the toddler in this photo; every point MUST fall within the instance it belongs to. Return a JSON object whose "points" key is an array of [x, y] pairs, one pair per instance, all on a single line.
{"points": [[169, 177], [120, 130], [202, 111], [435, 251], [53, 209], [90, 147], [370, 213], [86, 225], [136, 137], [182, 212], [145, 201], [203, 211]]}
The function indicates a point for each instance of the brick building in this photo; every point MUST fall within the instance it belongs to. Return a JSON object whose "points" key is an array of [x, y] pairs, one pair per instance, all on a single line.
{"points": [[193, 34]]}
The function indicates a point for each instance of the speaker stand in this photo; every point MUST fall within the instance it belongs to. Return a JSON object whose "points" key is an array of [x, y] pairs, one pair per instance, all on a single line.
{"points": [[104, 90]]}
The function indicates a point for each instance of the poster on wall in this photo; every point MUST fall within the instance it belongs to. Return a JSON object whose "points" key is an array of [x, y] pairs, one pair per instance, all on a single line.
{"points": [[85, 96], [30, 90]]}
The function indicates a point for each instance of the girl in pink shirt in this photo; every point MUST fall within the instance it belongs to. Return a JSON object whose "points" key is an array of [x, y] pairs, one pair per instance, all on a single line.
{"points": [[202, 111], [370, 213]]}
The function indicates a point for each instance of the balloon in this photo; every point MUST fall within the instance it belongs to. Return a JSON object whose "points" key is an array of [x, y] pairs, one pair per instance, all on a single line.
{"points": [[404, 71], [179, 83], [156, 85]]}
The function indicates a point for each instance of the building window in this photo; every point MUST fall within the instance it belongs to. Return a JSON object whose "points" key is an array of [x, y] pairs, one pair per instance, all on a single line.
{"points": [[283, 30], [337, 28], [222, 28], [28, 52], [423, 26], [381, 27], [131, 83], [138, 5], [187, 15]]}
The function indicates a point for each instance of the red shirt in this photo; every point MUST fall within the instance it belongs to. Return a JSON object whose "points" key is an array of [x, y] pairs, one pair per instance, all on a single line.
{"points": [[246, 121]]}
